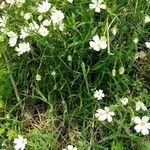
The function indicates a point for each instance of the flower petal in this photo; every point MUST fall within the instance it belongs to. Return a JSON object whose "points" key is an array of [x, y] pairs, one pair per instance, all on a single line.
{"points": [[145, 131], [96, 39], [109, 118], [100, 1], [102, 117], [92, 6], [103, 42], [148, 125], [103, 6], [92, 44], [144, 107], [137, 120], [145, 119], [137, 128], [94, 1], [147, 44], [138, 106], [112, 113], [97, 9]]}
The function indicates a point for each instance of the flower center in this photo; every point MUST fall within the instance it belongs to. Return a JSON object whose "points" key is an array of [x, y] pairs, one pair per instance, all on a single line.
{"points": [[98, 5], [58, 18], [142, 123]]}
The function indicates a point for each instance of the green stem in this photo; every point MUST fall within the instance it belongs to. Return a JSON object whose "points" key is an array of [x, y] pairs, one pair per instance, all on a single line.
{"points": [[12, 79]]}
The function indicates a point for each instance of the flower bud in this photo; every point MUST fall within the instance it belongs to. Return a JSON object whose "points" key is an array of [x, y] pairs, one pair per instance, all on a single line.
{"points": [[114, 72], [121, 70], [38, 77]]}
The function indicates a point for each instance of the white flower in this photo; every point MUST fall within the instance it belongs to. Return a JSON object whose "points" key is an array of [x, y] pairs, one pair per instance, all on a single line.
{"points": [[143, 125], [70, 1], [69, 58], [4, 30], [23, 47], [99, 94], [2, 5], [113, 72], [20, 143], [27, 16], [44, 7], [139, 105], [136, 40], [61, 26], [53, 73], [43, 31], [57, 16], [121, 70], [70, 147], [147, 44], [3, 21], [114, 30], [11, 2], [124, 101], [98, 43], [40, 17], [33, 26], [104, 114], [147, 19], [19, 2], [12, 38], [24, 33], [46, 22], [97, 5], [38, 77]]}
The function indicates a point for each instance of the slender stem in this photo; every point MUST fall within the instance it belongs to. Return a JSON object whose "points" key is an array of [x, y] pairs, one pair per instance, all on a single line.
{"points": [[11, 78]]}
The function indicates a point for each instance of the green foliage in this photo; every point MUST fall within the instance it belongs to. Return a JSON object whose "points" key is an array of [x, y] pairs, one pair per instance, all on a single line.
{"points": [[143, 145], [59, 109], [5, 86], [117, 146]]}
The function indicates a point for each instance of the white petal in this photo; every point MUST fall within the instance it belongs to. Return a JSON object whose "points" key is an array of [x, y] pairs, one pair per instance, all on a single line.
{"points": [[145, 119], [147, 44], [109, 118], [94, 1], [137, 128], [25, 141], [148, 125], [137, 120], [147, 19], [101, 111], [144, 107], [97, 115], [138, 106], [103, 43], [16, 140], [124, 101], [22, 147], [103, 6], [97, 9], [100, 1], [97, 47], [107, 109], [92, 44], [102, 117], [112, 113], [17, 147], [145, 131], [92, 6], [96, 39]]}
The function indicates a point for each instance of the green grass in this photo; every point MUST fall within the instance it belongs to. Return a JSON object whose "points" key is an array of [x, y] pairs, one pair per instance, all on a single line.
{"points": [[60, 110]]}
